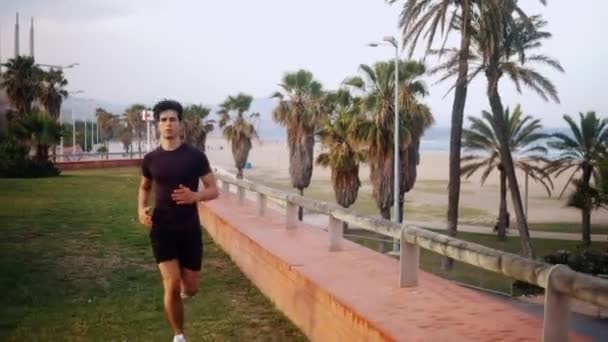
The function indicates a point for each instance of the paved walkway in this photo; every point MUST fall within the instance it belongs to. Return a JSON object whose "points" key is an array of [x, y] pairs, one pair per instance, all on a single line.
{"points": [[367, 282]]}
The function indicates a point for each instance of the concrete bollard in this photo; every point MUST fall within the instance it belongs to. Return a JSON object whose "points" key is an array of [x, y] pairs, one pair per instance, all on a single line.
{"points": [[336, 234], [557, 310], [409, 263], [225, 187], [241, 192], [261, 204], [292, 215]]}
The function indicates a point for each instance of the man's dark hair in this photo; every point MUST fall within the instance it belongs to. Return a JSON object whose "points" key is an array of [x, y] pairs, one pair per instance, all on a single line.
{"points": [[168, 105]]}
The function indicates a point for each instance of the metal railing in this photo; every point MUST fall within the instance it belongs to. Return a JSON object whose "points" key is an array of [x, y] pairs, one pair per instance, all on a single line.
{"points": [[559, 281]]}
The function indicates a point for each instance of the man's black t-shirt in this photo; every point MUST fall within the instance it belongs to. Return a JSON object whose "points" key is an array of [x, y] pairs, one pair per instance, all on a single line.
{"points": [[169, 169]]}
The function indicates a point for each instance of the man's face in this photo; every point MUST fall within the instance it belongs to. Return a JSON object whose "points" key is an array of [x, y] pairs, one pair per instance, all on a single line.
{"points": [[168, 124]]}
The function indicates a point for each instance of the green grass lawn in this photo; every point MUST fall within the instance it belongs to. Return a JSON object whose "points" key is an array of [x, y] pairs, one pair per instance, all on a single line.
{"points": [[574, 228], [76, 266]]}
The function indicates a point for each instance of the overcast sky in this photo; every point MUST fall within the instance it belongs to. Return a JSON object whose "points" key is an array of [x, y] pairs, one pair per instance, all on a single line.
{"points": [[201, 51]]}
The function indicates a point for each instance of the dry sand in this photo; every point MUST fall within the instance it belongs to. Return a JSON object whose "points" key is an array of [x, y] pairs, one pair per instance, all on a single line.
{"points": [[270, 160]]}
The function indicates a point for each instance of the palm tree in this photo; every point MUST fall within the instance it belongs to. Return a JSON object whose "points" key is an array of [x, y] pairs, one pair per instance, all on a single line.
{"points": [[107, 123], [135, 121], [503, 46], [125, 134], [601, 189], [375, 130], [418, 118], [524, 138], [428, 16], [42, 131], [300, 112], [196, 126], [238, 128], [342, 154], [516, 42], [52, 91], [22, 81], [582, 151], [418, 16]]}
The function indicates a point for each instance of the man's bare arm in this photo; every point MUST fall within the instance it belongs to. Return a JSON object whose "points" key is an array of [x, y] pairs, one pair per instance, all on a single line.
{"points": [[142, 201], [210, 191]]}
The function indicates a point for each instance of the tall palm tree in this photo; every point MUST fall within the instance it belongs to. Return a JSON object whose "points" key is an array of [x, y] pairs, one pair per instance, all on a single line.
{"points": [[582, 151], [52, 92], [504, 46], [418, 16], [238, 128], [513, 41], [447, 16], [300, 111], [22, 82], [418, 118], [375, 131], [197, 126], [481, 139], [341, 152], [135, 121]]}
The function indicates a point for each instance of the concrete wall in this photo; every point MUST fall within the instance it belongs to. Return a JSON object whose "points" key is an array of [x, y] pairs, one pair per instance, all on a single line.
{"points": [[317, 313], [97, 164]]}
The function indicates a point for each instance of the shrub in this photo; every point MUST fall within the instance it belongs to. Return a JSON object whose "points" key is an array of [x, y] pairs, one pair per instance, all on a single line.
{"points": [[27, 168]]}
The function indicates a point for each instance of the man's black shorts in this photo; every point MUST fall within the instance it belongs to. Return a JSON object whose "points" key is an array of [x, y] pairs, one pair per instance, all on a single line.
{"points": [[181, 243]]}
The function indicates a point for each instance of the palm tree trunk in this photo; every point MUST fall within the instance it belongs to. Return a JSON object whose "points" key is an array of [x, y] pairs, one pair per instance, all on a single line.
{"points": [[239, 174], [502, 212], [300, 209], [586, 211], [460, 97], [507, 162], [386, 213], [204, 143]]}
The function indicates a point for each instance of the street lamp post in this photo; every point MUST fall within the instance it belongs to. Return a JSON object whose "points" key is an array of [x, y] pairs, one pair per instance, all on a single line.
{"points": [[61, 138], [74, 124], [85, 134], [397, 164], [73, 131]]}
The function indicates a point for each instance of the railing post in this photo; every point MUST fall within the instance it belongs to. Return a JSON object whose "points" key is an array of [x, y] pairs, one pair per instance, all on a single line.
{"points": [[336, 234], [557, 310], [409, 263], [241, 195], [292, 215], [261, 204], [225, 187]]}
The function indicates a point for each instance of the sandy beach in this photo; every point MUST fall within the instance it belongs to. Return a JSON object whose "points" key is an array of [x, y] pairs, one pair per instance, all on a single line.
{"points": [[269, 160]]}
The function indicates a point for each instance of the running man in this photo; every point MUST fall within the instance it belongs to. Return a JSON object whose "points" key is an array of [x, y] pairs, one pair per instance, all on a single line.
{"points": [[175, 231]]}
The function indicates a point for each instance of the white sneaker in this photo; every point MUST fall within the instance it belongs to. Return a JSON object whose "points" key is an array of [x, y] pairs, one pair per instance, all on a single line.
{"points": [[179, 338]]}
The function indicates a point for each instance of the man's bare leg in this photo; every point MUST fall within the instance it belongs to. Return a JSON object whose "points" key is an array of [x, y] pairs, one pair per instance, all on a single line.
{"points": [[189, 282], [171, 276]]}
